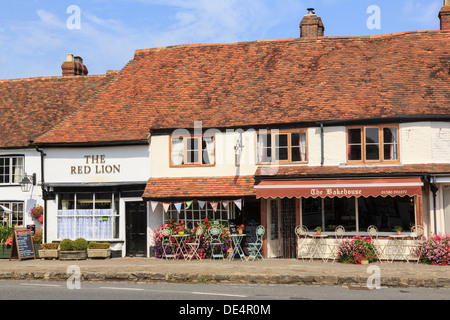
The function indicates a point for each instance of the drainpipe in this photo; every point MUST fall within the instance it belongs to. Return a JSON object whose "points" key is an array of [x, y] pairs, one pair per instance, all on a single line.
{"points": [[44, 192], [434, 190], [322, 146]]}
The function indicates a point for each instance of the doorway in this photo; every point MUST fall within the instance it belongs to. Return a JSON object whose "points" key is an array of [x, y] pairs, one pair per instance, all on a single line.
{"points": [[136, 229]]}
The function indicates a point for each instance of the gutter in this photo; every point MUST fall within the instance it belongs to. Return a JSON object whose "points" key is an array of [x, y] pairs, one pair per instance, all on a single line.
{"points": [[44, 192]]}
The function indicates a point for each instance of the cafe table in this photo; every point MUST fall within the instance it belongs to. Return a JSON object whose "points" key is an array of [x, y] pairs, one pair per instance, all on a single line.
{"points": [[318, 246], [237, 249], [395, 248], [181, 243]]}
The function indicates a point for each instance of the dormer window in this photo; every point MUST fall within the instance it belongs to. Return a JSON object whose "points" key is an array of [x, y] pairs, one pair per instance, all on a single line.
{"points": [[367, 144], [192, 151]]}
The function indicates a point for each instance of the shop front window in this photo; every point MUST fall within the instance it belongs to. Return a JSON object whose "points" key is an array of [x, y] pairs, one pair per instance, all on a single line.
{"points": [[195, 214], [93, 216], [13, 218]]}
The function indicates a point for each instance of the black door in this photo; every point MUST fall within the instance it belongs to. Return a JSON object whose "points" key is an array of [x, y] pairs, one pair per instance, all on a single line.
{"points": [[136, 229]]}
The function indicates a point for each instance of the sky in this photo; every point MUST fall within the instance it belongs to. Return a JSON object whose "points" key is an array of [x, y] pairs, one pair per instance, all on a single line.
{"points": [[37, 35]]}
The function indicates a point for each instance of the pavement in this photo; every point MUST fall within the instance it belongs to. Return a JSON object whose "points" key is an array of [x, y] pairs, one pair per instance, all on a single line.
{"points": [[273, 271]]}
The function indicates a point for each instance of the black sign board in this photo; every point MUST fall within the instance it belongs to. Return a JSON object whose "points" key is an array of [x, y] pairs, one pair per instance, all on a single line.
{"points": [[22, 246]]}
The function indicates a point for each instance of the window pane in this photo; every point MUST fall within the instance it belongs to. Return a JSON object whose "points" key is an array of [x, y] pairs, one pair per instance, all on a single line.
{"points": [[192, 150], [281, 147], [312, 213], [264, 148], [103, 201], [354, 153], [177, 152], [372, 152], [4, 170], [354, 136], [340, 212], [208, 150], [372, 135], [85, 201], [390, 147], [66, 202]]}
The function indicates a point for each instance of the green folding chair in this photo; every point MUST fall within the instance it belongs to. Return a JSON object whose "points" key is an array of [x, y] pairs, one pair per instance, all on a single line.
{"points": [[215, 242]]}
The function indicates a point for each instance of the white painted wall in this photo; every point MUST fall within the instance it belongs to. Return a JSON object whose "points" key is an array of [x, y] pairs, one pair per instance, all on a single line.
{"points": [[13, 192]]}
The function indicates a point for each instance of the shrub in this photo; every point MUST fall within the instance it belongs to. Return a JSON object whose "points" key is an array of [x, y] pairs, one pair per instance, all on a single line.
{"points": [[99, 245], [80, 244], [37, 237], [66, 245], [435, 250], [356, 250], [49, 246]]}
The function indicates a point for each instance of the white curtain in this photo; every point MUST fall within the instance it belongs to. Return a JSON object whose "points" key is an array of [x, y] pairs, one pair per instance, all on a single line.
{"points": [[103, 224], [394, 148], [18, 171], [302, 142], [84, 224], [208, 154], [177, 151]]}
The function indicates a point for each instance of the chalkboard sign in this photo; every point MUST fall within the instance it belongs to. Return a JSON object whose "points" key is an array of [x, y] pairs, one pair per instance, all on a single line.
{"points": [[22, 246]]}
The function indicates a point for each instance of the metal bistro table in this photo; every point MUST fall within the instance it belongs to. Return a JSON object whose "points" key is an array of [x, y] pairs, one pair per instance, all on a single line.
{"points": [[318, 246], [237, 239], [181, 242], [395, 248]]}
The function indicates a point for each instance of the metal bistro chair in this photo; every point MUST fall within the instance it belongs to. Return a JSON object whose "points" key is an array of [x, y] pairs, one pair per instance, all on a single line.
{"points": [[168, 245], [256, 247], [339, 233], [215, 242], [379, 250], [416, 248], [193, 246], [303, 245]]}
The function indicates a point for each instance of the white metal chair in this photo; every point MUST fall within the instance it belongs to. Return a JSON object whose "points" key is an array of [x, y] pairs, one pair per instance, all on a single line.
{"points": [[256, 247], [193, 246], [379, 249], [303, 245], [416, 248], [339, 233], [168, 245]]}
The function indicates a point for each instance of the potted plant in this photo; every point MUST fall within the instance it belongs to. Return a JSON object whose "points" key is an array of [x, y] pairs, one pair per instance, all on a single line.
{"points": [[37, 241], [318, 230], [49, 251], [73, 250], [99, 250], [240, 229], [398, 229], [6, 233]]}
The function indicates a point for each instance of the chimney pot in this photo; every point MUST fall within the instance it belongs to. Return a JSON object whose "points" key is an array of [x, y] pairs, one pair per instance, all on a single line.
{"points": [[444, 15]]}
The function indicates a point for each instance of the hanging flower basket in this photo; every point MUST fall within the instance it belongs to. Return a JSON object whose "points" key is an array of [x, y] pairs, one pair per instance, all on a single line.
{"points": [[37, 213]]}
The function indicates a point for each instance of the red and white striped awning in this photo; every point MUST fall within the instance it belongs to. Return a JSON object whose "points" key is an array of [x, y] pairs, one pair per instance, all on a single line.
{"points": [[339, 188]]}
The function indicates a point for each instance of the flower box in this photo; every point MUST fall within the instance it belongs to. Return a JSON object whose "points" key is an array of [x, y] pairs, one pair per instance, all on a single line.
{"points": [[99, 253], [73, 255], [48, 253], [5, 251]]}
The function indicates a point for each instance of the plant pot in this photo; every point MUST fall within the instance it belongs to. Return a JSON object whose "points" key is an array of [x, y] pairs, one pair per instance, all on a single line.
{"points": [[399, 233], [36, 250], [73, 255], [5, 251], [99, 253], [49, 254], [240, 231]]}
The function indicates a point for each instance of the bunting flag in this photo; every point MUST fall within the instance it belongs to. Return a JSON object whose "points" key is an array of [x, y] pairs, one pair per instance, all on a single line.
{"points": [[154, 204], [178, 206], [225, 204], [188, 204], [238, 203], [201, 204], [214, 205], [166, 207]]}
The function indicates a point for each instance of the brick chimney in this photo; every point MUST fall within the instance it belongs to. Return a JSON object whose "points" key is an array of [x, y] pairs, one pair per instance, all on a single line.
{"points": [[311, 25], [73, 66], [444, 15]]}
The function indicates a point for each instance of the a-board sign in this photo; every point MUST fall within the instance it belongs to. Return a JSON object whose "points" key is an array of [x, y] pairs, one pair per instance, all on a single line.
{"points": [[22, 246]]}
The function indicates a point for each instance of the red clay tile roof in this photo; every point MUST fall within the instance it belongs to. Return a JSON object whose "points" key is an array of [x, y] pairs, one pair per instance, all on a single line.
{"points": [[199, 187], [31, 107], [269, 82], [334, 171]]}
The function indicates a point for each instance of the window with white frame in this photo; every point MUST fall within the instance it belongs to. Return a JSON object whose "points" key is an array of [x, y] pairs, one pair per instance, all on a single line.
{"points": [[192, 150], [15, 217], [11, 169], [194, 214], [92, 216], [280, 146]]}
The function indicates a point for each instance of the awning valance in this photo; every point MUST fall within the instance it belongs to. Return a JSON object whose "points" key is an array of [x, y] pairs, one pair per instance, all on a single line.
{"points": [[339, 188]]}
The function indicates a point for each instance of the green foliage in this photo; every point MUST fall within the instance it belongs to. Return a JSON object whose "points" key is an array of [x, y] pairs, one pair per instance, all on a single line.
{"points": [[80, 244], [99, 245], [66, 245], [49, 246]]}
